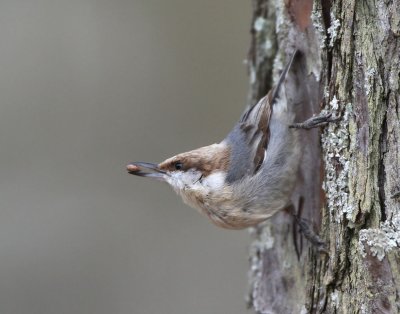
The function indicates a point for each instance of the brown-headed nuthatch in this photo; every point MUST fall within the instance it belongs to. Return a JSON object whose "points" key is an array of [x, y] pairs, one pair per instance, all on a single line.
{"points": [[247, 177]]}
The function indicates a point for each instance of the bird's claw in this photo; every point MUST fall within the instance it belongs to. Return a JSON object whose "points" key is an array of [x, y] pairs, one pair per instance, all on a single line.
{"points": [[314, 122], [311, 236]]}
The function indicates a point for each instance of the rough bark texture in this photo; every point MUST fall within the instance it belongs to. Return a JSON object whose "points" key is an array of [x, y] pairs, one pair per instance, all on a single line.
{"points": [[350, 176]]}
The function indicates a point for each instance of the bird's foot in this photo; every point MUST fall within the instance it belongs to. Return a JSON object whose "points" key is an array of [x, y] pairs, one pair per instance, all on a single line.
{"points": [[315, 122], [310, 235]]}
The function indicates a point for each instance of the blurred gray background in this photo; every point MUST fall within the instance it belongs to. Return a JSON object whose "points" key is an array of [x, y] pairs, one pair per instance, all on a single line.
{"points": [[85, 87]]}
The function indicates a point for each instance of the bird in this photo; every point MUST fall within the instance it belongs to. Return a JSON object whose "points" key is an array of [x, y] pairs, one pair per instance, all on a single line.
{"points": [[247, 177]]}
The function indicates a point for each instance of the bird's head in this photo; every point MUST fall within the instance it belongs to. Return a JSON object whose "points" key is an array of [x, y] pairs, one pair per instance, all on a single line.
{"points": [[204, 167]]}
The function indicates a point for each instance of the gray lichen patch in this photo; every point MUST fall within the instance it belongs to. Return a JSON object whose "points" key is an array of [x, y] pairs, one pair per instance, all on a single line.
{"points": [[264, 47], [335, 145], [333, 30], [260, 23], [280, 16], [380, 241], [369, 76], [316, 19], [262, 51], [263, 240]]}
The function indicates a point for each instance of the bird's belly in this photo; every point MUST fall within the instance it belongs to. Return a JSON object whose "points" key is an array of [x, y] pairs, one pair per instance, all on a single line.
{"points": [[224, 215], [236, 218]]}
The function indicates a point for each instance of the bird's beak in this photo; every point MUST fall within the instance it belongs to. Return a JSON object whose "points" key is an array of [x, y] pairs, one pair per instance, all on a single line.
{"points": [[145, 169]]}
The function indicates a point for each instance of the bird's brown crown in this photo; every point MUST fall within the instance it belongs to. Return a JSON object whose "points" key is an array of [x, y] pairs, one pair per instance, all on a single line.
{"points": [[206, 159]]}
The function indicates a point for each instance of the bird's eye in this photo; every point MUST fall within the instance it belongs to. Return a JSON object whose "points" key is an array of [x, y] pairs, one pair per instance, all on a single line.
{"points": [[178, 165]]}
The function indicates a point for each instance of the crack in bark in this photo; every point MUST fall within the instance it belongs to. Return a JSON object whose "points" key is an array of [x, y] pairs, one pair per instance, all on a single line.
{"points": [[381, 169], [326, 16]]}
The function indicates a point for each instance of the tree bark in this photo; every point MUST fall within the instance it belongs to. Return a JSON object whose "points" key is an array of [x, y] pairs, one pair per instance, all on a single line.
{"points": [[350, 173]]}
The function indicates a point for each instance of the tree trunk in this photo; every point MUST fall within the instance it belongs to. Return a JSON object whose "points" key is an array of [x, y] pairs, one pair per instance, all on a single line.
{"points": [[350, 173]]}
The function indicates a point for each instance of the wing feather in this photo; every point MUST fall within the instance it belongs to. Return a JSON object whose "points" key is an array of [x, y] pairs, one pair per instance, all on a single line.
{"points": [[249, 138]]}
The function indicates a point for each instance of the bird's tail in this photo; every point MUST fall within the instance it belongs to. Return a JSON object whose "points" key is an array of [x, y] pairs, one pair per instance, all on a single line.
{"points": [[281, 105]]}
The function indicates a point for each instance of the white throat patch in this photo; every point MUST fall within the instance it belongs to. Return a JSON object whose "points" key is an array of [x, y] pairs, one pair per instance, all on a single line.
{"points": [[215, 181], [193, 180]]}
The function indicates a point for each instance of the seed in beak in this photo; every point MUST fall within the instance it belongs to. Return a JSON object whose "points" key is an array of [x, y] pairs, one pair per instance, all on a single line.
{"points": [[146, 169], [132, 168]]}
